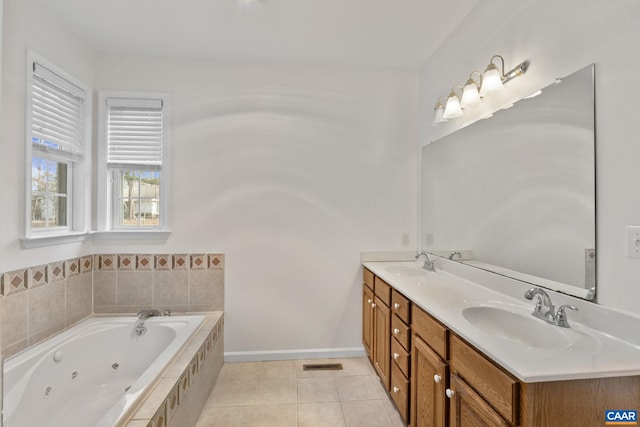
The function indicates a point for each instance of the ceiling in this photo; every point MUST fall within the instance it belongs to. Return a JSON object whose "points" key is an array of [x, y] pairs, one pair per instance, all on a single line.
{"points": [[372, 33]]}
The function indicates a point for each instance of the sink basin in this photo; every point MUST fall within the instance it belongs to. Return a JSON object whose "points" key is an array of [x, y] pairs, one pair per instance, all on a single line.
{"points": [[516, 326], [406, 270]]}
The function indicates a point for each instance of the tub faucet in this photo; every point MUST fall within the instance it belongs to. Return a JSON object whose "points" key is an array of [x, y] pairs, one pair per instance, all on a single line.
{"points": [[428, 264], [143, 315]]}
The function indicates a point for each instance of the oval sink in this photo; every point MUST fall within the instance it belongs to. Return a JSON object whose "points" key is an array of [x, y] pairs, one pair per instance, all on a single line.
{"points": [[406, 270], [516, 327]]}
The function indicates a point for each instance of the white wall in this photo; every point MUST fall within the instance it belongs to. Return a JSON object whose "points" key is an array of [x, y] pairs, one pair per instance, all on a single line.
{"points": [[290, 171], [26, 26], [560, 38]]}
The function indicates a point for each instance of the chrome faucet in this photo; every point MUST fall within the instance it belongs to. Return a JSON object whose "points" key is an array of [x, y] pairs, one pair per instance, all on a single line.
{"points": [[428, 264], [143, 315], [545, 310]]}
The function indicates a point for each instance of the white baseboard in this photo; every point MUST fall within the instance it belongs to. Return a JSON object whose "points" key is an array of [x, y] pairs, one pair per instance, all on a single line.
{"points": [[314, 353]]}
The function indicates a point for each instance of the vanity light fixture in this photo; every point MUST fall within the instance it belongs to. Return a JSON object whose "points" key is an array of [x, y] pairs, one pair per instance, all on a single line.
{"points": [[492, 80], [439, 112], [470, 95], [453, 109]]}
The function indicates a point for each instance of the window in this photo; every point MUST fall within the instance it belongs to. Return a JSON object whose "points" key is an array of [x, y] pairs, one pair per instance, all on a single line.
{"points": [[57, 129], [133, 158]]}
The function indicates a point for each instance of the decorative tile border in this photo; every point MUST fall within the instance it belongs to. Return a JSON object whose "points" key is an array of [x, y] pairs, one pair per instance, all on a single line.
{"points": [[144, 262], [86, 264], [56, 271], [180, 262], [20, 280], [72, 267], [14, 282], [216, 261], [199, 262], [162, 262], [126, 262], [39, 275], [107, 262]]}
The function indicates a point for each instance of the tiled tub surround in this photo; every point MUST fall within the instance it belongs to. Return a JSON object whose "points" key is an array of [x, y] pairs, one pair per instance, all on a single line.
{"points": [[179, 395], [40, 301], [123, 283]]}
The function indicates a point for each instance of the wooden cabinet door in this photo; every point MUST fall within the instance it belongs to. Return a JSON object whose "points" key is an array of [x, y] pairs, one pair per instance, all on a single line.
{"points": [[468, 409], [429, 375], [367, 320], [382, 341]]}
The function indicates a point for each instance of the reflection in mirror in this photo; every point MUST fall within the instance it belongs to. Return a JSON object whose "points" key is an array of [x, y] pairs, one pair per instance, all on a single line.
{"points": [[515, 194]]}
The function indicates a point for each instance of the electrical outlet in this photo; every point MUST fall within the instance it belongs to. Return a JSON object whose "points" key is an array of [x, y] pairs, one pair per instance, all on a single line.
{"points": [[633, 241], [428, 239], [406, 239]]}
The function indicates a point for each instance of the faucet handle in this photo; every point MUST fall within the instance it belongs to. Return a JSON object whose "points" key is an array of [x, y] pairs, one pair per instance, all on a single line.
{"points": [[561, 315]]}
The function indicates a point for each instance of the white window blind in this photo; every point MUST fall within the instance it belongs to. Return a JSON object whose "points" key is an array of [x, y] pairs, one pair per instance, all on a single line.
{"points": [[135, 132], [57, 114]]}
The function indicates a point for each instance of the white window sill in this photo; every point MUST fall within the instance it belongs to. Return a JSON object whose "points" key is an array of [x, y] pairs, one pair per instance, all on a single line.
{"points": [[73, 237], [54, 239], [156, 235]]}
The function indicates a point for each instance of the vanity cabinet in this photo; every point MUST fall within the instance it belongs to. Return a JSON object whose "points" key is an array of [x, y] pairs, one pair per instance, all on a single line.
{"points": [[400, 389], [429, 371], [367, 319], [468, 409], [479, 389], [437, 379], [376, 324]]}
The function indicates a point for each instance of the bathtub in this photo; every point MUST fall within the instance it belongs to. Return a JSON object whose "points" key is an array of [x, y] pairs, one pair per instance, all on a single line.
{"points": [[93, 374]]}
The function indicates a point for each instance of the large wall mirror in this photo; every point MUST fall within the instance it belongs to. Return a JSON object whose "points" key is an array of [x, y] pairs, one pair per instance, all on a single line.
{"points": [[515, 193]]}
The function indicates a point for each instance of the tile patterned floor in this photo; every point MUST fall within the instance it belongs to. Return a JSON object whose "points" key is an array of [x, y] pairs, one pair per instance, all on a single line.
{"points": [[282, 394]]}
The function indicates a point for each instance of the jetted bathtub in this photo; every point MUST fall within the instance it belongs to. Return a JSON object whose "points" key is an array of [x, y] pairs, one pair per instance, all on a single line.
{"points": [[92, 374]]}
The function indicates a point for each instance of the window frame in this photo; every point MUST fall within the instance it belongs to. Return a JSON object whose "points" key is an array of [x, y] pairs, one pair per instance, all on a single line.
{"points": [[78, 169], [107, 194]]}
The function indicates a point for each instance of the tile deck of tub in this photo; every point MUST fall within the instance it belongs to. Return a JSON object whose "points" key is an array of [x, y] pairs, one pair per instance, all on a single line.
{"points": [[282, 394]]}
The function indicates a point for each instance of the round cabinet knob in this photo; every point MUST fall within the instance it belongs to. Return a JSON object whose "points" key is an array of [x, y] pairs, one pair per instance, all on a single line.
{"points": [[396, 389], [369, 301], [437, 378], [450, 393], [396, 306], [396, 356], [373, 305], [396, 331]]}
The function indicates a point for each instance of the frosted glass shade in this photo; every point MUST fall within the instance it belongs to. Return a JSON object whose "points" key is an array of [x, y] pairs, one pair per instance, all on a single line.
{"points": [[470, 95], [453, 108], [492, 80], [439, 115]]}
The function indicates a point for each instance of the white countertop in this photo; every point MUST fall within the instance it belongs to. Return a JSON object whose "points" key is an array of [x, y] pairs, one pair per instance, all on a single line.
{"points": [[592, 354]]}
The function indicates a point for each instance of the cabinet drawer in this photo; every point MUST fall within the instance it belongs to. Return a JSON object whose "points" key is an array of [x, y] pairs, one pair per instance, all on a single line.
{"points": [[497, 387], [430, 330], [400, 306], [382, 290], [399, 391], [400, 356], [401, 332], [367, 278]]}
